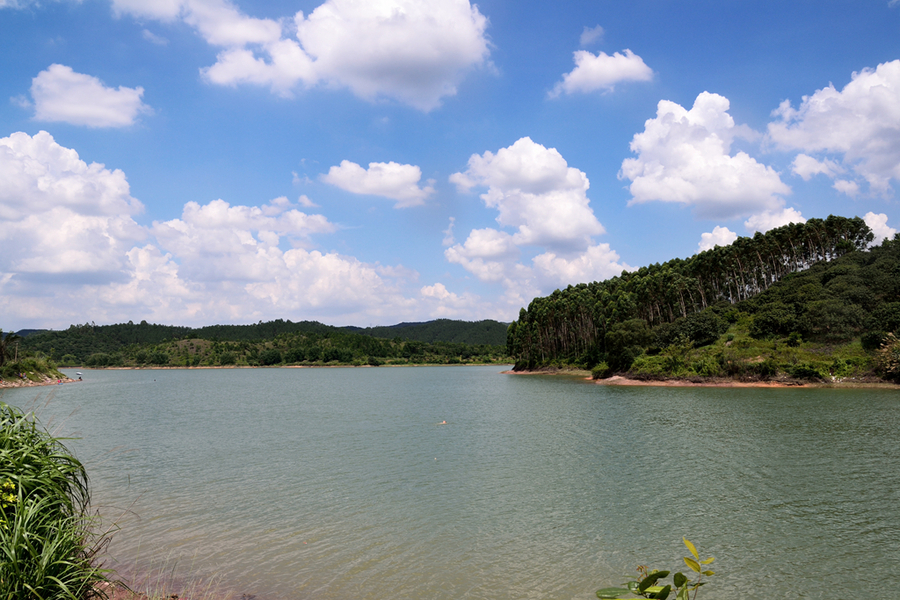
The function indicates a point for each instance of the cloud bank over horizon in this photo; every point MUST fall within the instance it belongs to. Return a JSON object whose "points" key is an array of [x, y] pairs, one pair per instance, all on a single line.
{"points": [[201, 161]]}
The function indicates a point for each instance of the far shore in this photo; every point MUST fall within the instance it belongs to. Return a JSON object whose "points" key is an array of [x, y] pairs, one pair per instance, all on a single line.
{"points": [[16, 383], [719, 382]]}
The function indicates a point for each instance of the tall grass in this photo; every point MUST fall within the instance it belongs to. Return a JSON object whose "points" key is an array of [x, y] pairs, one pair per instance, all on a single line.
{"points": [[48, 547]]}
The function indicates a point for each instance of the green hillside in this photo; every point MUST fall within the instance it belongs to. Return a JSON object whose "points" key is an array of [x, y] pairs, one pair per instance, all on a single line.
{"points": [[276, 342], [442, 330], [803, 301]]}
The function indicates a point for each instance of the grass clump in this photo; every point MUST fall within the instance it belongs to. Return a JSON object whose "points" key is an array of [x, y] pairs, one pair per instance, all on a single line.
{"points": [[47, 543]]}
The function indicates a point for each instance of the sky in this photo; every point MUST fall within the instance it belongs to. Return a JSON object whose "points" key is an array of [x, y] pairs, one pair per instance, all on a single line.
{"points": [[370, 162]]}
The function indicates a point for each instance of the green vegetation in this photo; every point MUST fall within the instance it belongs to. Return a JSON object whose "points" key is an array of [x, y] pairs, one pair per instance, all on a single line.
{"points": [[802, 302], [648, 583], [46, 538], [487, 332], [20, 364], [270, 344]]}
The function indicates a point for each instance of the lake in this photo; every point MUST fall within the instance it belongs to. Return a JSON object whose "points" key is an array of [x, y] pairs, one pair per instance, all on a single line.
{"points": [[340, 483]]}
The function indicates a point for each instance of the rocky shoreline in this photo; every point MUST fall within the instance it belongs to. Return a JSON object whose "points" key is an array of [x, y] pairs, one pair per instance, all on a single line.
{"points": [[45, 380]]}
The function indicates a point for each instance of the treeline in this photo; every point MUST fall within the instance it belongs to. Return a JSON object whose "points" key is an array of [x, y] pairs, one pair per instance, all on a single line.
{"points": [[442, 330], [272, 343], [791, 281]]}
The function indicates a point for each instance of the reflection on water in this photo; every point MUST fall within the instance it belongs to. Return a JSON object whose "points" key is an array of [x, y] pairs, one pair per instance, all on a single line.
{"points": [[338, 483]]}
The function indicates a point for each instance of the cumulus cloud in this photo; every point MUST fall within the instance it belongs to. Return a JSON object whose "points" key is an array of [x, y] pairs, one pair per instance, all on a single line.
{"points": [[602, 72], [878, 224], [544, 202], [413, 51], [535, 191], [62, 95], [845, 186], [719, 236], [767, 220], [806, 167], [684, 156], [861, 122], [60, 215], [390, 180], [72, 249]]}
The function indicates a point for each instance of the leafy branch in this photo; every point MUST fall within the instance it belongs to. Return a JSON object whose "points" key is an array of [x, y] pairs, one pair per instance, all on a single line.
{"points": [[649, 583]]}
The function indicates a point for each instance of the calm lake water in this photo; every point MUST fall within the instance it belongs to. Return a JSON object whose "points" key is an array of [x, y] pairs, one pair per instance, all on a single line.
{"points": [[339, 483]]}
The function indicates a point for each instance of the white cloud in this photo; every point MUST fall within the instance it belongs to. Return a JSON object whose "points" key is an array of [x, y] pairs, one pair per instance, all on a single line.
{"points": [[536, 192], [72, 251], [767, 220], [544, 201], [591, 35], [719, 236], [444, 304], [486, 253], [594, 264], [684, 156], [390, 180], [845, 186], [305, 202], [412, 51], [62, 95], [153, 38], [878, 225], [806, 166], [449, 240], [163, 10], [602, 72], [60, 215], [861, 122]]}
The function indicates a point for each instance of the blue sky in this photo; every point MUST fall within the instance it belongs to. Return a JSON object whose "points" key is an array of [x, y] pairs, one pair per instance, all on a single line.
{"points": [[370, 162]]}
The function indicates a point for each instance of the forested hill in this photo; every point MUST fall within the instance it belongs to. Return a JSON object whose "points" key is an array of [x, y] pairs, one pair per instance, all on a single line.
{"points": [[811, 283], [79, 342], [442, 330]]}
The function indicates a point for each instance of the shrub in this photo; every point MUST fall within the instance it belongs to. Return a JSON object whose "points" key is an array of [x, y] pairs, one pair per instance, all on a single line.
{"points": [[872, 340], [158, 357], [269, 357], [47, 545], [804, 371], [707, 366], [601, 371], [887, 360], [777, 319], [649, 366]]}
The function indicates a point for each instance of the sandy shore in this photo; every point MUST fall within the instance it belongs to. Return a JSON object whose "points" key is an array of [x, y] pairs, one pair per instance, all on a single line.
{"points": [[618, 380]]}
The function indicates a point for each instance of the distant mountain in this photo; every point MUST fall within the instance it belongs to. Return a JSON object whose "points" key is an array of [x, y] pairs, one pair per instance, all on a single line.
{"points": [[442, 330], [81, 341], [25, 332]]}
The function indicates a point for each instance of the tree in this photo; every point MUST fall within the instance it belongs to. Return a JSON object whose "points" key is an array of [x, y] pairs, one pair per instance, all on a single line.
{"points": [[7, 343]]}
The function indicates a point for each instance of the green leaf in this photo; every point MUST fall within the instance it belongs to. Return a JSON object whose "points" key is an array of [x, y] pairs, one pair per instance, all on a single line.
{"points": [[611, 592], [709, 573], [684, 594], [692, 564], [707, 561], [680, 579], [691, 547], [663, 593], [650, 580], [633, 587]]}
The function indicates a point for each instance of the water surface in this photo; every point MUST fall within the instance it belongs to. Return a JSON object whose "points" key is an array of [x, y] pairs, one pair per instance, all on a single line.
{"points": [[339, 483]]}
